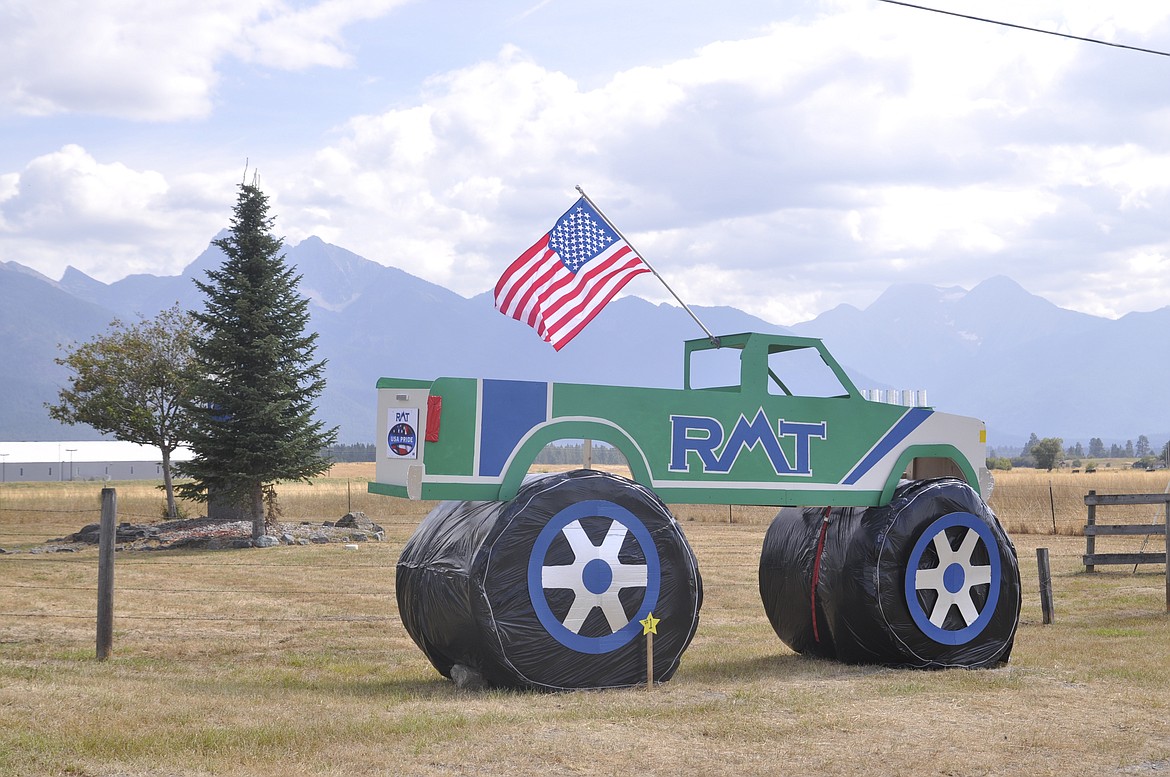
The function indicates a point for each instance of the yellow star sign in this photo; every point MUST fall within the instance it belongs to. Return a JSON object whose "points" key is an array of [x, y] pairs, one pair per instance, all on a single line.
{"points": [[650, 624]]}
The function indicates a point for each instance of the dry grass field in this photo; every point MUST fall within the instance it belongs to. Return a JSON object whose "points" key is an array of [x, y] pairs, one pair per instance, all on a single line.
{"points": [[292, 661]]}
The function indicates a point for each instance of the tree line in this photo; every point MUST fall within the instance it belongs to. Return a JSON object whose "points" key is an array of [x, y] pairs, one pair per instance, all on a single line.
{"points": [[361, 451], [574, 453], [1049, 452]]}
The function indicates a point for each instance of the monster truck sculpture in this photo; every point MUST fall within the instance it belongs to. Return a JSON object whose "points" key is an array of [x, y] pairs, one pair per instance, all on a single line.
{"points": [[786, 427]]}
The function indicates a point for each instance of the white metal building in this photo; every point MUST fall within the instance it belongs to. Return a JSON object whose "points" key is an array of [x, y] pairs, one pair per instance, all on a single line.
{"points": [[82, 460]]}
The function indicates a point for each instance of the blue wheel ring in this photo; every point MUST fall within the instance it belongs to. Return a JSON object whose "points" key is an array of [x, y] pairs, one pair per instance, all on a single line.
{"points": [[921, 617], [556, 629]]}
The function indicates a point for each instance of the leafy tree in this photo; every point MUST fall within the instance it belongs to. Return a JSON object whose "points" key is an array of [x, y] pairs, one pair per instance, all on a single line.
{"points": [[1097, 447], [1129, 449], [254, 401], [1047, 452], [132, 382]]}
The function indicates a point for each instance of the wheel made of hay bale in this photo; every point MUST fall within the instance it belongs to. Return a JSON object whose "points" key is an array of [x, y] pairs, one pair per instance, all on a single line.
{"points": [[547, 590], [930, 580], [954, 579], [567, 591]]}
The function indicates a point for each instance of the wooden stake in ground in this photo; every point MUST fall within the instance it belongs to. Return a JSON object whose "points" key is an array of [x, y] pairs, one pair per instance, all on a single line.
{"points": [[105, 597], [649, 629], [1044, 566]]}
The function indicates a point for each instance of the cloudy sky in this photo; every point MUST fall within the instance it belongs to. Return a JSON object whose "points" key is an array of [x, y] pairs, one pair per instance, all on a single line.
{"points": [[778, 157]]}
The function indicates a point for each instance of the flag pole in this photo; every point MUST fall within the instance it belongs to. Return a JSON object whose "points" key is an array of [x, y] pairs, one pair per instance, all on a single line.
{"points": [[714, 340]]}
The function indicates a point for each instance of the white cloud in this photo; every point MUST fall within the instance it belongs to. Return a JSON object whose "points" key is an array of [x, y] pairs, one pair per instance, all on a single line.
{"points": [[428, 186], [297, 38], [970, 220], [108, 219], [69, 193], [145, 60], [1117, 285]]}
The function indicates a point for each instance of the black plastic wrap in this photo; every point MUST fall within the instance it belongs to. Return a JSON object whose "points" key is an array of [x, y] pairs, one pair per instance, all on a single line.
{"points": [[958, 606], [547, 590]]}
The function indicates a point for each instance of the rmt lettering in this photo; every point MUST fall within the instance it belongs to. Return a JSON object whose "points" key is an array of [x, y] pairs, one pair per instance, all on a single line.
{"points": [[705, 437]]}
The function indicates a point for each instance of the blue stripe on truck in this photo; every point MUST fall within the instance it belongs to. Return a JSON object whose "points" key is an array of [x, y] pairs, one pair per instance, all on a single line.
{"points": [[910, 421], [510, 409]]}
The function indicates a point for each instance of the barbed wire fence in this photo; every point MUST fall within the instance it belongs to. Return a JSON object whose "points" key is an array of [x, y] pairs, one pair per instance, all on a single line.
{"points": [[53, 590], [56, 584]]}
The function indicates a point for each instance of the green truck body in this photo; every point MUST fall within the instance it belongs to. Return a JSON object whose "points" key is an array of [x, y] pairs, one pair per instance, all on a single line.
{"points": [[792, 430]]}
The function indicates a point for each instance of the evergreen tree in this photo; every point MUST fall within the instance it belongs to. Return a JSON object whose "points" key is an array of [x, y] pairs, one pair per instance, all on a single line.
{"points": [[1143, 446], [1029, 445], [254, 400]]}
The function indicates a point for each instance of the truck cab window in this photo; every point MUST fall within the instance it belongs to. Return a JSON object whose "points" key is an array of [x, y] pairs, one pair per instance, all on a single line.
{"points": [[802, 372], [716, 368]]}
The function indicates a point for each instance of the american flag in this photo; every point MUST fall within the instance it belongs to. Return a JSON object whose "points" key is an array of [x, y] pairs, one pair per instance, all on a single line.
{"points": [[559, 284]]}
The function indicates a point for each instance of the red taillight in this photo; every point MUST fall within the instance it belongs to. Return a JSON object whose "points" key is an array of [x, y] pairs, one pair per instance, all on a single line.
{"points": [[434, 416]]}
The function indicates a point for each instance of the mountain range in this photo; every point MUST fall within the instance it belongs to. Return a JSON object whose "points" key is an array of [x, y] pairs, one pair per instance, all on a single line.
{"points": [[996, 352]]}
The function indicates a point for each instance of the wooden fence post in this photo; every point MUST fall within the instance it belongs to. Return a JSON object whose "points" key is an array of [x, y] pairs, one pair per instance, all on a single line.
{"points": [[1052, 506], [1168, 558], [1090, 538], [105, 593], [1045, 569]]}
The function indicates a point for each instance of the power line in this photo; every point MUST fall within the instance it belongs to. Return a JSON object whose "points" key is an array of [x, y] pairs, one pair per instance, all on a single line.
{"points": [[1029, 29]]}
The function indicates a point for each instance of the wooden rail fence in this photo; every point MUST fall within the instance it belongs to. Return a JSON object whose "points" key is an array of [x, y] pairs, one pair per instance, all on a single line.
{"points": [[1093, 530]]}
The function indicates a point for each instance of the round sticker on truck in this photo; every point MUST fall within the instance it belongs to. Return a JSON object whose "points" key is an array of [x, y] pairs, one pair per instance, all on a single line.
{"points": [[402, 438]]}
